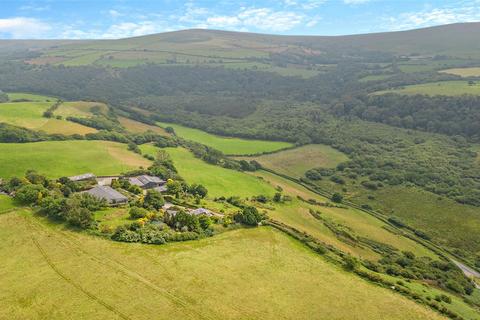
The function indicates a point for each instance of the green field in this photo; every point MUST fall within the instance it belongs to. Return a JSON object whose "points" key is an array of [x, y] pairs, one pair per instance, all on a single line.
{"points": [[30, 115], [227, 145], [446, 221], [140, 127], [67, 158], [375, 77], [445, 88], [296, 214], [219, 181], [295, 162], [80, 109], [30, 97], [6, 203], [463, 72], [69, 275]]}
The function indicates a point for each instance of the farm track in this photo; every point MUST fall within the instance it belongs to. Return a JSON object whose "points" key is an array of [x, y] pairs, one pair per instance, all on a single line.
{"points": [[72, 243]]}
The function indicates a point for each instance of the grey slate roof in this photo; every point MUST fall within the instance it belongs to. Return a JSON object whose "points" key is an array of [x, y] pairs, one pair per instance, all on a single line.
{"points": [[81, 177], [146, 180], [107, 193], [200, 211]]}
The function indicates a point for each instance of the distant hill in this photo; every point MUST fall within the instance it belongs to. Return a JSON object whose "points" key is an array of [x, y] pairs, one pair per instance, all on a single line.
{"points": [[199, 46]]}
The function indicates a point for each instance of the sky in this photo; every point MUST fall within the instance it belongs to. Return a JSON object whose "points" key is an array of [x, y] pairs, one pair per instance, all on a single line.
{"points": [[112, 19]]}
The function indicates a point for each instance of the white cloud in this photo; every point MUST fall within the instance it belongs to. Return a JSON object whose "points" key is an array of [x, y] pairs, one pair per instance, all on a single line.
{"points": [[131, 29], [223, 21], [353, 2], [264, 19], [304, 4], [34, 8], [114, 13], [431, 17], [22, 28]]}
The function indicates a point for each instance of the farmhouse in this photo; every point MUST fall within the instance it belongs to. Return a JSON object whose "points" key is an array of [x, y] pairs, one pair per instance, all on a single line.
{"points": [[82, 177], [112, 196], [147, 182]]}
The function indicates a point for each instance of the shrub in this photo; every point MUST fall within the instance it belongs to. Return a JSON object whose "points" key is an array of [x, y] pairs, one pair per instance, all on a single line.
{"points": [[337, 197], [30, 194], [249, 216], [137, 213]]}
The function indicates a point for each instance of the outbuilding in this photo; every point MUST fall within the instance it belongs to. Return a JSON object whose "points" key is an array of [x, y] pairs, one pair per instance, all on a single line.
{"points": [[112, 196], [147, 182], [83, 177]]}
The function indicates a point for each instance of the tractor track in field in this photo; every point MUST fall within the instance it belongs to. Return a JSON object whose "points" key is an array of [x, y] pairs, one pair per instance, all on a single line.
{"points": [[116, 266], [76, 285]]}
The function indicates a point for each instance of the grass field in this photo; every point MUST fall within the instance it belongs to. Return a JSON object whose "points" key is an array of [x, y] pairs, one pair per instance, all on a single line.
{"points": [[66, 158], [360, 223], [446, 221], [6, 203], [463, 72], [79, 108], [30, 115], [375, 77], [446, 88], [234, 146], [219, 181], [139, 127], [30, 97], [51, 273], [295, 162]]}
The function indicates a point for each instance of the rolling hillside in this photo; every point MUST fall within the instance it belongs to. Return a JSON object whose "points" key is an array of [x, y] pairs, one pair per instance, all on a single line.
{"points": [[239, 50]]}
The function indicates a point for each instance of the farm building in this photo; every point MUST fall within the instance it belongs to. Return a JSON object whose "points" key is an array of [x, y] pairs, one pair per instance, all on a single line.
{"points": [[201, 211], [147, 182], [82, 177], [112, 196]]}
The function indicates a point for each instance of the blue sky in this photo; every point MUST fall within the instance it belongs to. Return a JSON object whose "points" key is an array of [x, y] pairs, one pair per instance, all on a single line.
{"points": [[124, 18]]}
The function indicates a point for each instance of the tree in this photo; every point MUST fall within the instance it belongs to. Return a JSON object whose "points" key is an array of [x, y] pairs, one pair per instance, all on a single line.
{"points": [[337, 197], [249, 216], [198, 190], [80, 217], [277, 197], [174, 187], [30, 194], [153, 199], [205, 222]]}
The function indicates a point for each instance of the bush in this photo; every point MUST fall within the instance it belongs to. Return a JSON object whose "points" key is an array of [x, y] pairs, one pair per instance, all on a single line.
{"points": [[153, 199], [30, 194], [137, 213], [337, 198], [249, 216]]}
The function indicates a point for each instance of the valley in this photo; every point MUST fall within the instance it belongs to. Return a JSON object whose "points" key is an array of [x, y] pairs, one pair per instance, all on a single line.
{"points": [[205, 174]]}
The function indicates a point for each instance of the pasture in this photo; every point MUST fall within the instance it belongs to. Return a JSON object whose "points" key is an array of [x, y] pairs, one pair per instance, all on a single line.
{"points": [[445, 88], [66, 158], [296, 214], [139, 127], [30, 97], [6, 203], [30, 115], [295, 162], [232, 146], [449, 223], [70, 275], [375, 77], [81, 109], [219, 181], [463, 72]]}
